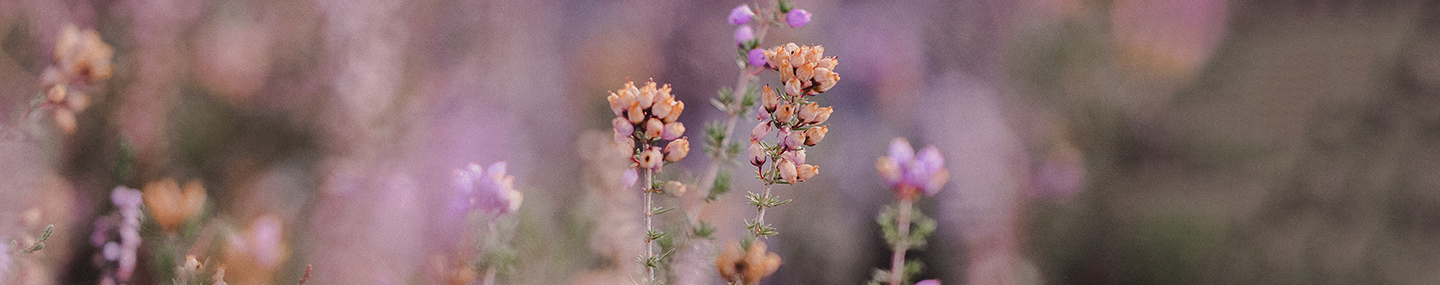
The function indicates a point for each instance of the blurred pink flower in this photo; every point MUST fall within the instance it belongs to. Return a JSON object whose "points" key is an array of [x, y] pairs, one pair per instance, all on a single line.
{"points": [[743, 35], [740, 15], [797, 18], [903, 170], [489, 190]]}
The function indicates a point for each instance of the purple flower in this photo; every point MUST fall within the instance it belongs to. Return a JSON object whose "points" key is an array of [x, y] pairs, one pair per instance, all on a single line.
{"points": [[904, 170], [757, 58], [490, 190], [928, 282], [797, 18], [740, 15], [743, 35], [629, 177]]}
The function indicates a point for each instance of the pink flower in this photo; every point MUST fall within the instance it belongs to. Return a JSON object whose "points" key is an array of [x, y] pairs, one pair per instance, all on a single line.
{"points": [[743, 35], [756, 57], [797, 18], [740, 15], [489, 190], [904, 170]]}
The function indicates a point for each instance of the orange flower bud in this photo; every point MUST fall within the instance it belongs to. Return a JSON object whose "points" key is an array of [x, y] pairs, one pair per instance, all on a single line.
{"points": [[823, 116], [677, 150], [768, 99], [787, 170], [169, 205], [814, 135], [805, 72], [65, 120], [793, 88], [809, 112], [651, 158], [635, 114], [793, 139], [787, 70], [662, 108], [806, 171], [785, 112], [757, 154], [646, 96], [675, 111], [56, 94], [672, 131], [653, 128], [615, 106]]}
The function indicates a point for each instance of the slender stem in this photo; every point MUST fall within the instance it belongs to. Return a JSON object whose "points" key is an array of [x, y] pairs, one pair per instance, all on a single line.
{"points": [[897, 260], [742, 83], [649, 212], [760, 219]]}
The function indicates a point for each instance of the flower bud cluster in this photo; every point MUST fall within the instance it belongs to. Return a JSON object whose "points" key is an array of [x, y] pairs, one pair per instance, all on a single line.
{"points": [[647, 115], [796, 122], [803, 69], [489, 190], [80, 58], [118, 237], [170, 205], [747, 266], [908, 173]]}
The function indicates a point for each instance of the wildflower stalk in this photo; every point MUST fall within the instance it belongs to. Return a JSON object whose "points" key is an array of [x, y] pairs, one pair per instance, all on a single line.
{"points": [[733, 110], [897, 259], [649, 228]]}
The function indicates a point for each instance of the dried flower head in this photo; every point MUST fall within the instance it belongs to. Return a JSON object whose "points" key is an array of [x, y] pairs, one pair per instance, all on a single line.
{"points": [[646, 115], [170, 205], [749, 266], [804, 69], [908, 173], [82, 54]]}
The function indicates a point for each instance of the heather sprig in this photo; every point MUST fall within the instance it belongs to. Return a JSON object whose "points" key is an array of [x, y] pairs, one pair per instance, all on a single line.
{"points": [[488, 195], [911, 177], [647, 117], [796, 122]]}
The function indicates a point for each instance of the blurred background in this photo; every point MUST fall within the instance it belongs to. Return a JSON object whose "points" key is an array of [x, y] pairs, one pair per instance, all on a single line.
{"points": [[1125, 141]]}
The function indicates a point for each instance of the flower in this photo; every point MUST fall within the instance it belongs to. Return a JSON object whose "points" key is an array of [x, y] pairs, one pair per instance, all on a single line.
{"points": [[788, 170], [672, 131], [908, 173], [628, 178], [676, 150], [490, 190], [805, 70], [740, 15], [805, 172], [814, 135], [768, 99], [650, 158], [797, 18], [928, 282], [756, 57], [793, 139], [748, 267], [82, 54], [798, 156], [623, 128], [743, 35], [125, 224], [760, 131], [169, 205], [757, 154], [256, 252]]}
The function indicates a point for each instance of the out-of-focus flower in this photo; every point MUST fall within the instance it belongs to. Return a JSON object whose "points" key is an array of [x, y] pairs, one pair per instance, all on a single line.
{"points": [[171, 206], [257, 252], [677, 150], [118, 256], [629, 177], [756, 57], [675, 188], [82, 54], [797, 18], [490, 190], [623, 128], [909, 174], [744, 34], [740, 15], [749, 266], [928, 282]]}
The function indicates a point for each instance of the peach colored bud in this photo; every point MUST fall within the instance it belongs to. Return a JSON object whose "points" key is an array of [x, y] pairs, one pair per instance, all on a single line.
{"points": [[675, 111], [672, 131], [791, 48], [664, 91], [623, 128], [675, 188], [768, 99], [787, 70], [635, 114], [787, 170], [809, 112], [663, 107], [797, 156], [646, 96], [827, 63], [77, 101], [829, 81], [794, 139], [677, 150], [760, 131], [806, 71], [615, 106], [793, 87], [785, 112], [653, 128], [814, 135], [806, 171], [651, 158], [770, 57], [65, 120], [757, 154], [726, 260], [55, 94], [797, 58], [816, 53], [824, 115]]}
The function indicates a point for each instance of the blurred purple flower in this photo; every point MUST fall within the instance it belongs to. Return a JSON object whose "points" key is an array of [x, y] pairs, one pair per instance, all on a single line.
{"points": [[629, 178], [743, 35], [740, 15], [797, 18], [905, 171], [928, 282], [125, 223], [489, 190], [757, 58]]}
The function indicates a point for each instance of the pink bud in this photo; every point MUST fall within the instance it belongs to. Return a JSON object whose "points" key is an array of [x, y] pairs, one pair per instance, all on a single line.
{"points": [[797, 18], [740, 15], [743, 35], [672, 131]]}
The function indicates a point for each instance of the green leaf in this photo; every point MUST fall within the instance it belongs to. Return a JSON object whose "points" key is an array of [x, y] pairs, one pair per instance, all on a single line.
{"points": [[720, 186], [704, 230]]}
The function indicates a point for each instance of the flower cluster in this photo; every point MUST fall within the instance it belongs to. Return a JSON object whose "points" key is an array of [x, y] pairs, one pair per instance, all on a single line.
{"points": [[749, 266], [118, 237], [257, 252], [81, 57], [804, 69], [645, 115], [170, 205], [800, 123], [909, 173], [489, 190], [746, 37]]}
